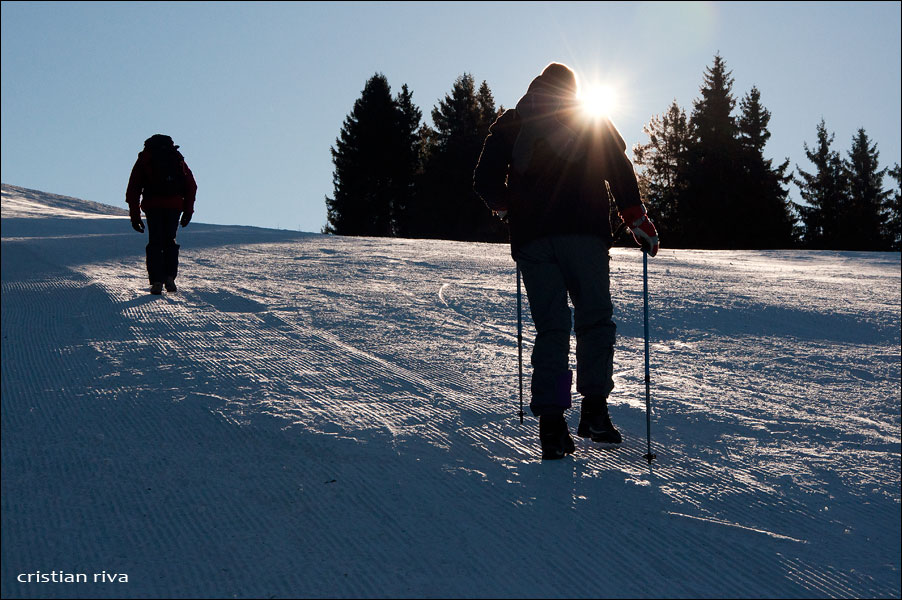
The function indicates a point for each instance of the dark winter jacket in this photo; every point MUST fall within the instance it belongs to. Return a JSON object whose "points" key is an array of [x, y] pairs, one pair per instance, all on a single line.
{"points": [[547, 167], [138, 192]]}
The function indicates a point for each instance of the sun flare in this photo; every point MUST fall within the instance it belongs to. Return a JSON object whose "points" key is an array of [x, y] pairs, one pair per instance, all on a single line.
{"points": [[598, 100]]}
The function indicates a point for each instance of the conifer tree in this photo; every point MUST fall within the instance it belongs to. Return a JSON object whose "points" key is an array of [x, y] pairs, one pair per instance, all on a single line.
{"points": [[865, 228], [713, 125], [706, 180], [708, 208], [762, 204], [419, 217], [663, 164], [375, 158], [460, 125], [363, 188], [824, 191], [486, 226], [408, 161], [893, 228], [485, 104]]}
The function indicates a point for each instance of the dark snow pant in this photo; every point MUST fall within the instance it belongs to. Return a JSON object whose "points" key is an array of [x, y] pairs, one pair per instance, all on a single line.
{"points": [[552, 268], [162, 251]]}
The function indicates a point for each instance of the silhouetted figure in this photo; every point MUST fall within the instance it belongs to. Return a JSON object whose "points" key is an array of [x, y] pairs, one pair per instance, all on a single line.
{"points": [[163, 186], [544, 167]]}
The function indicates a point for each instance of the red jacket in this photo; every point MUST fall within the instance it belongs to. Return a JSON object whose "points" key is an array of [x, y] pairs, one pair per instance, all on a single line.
{"points": [[140, 176]]}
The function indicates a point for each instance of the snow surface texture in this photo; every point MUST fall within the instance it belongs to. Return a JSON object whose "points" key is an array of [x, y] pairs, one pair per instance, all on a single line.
{"points": [[314, 415]]}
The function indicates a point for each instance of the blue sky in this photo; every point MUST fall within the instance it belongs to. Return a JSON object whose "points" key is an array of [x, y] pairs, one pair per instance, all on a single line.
{"points": [[256, 93]]}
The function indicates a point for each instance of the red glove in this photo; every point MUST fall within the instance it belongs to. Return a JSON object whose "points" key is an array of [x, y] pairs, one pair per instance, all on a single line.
{"points": [[642, 228]]}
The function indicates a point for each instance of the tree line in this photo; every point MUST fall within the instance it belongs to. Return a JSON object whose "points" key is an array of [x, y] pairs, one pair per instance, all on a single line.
{"points": [[396, 176], [703, 175]]}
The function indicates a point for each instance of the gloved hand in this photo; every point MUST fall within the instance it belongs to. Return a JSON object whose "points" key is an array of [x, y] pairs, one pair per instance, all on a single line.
{"points": [[642, 228], [186, 218], [134, 213]]}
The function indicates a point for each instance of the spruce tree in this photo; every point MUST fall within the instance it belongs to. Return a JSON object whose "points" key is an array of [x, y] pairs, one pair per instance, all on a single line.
{"points": [[708, 209], [450, 209], [419, 215], [485, 105], [662, 163], [713, 125], [867, 208], [486, 226], [893, 225], [363, 186], [407, 164], [762, 204], [824, 191], [376, 159], [706, 180]]}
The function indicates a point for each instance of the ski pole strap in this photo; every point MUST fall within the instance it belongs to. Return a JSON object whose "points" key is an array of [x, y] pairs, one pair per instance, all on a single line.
{"points": [[615, 236]]}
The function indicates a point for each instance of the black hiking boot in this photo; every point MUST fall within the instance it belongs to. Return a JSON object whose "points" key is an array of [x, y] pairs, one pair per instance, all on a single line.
{"points": [[156, 288], [170, 285], [595, 422], [555, 437]]}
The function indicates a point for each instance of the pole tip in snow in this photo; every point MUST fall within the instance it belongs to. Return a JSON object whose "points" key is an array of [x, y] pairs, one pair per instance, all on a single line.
{"points": [[649, 457]]}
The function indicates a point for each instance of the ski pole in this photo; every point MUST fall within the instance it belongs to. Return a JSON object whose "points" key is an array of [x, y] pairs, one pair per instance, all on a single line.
{"points": [[520, 340], [648, 456]]}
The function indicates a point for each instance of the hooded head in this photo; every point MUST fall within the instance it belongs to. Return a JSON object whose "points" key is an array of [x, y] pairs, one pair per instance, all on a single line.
{"points": [[560, 78], [159, 141], [552, 92]]}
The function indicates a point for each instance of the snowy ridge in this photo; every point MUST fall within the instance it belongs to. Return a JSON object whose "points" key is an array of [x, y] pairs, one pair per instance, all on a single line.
{"points": [[317, 416], [19, 202]]}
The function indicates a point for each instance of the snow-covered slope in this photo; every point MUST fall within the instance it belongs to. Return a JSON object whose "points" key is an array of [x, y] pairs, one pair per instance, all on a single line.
{"points": [[323, 416], [19, 202]]}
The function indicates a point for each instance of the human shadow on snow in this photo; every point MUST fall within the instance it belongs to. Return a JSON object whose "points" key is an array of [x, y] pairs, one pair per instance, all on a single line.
{"points": [[73, 242]]}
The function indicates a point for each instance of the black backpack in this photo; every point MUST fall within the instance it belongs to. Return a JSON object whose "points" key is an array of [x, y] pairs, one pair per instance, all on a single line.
{"points": [[167, 171]]}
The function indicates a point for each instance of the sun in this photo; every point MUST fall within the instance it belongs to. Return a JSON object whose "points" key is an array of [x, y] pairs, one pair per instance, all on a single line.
{"points": [[598, 100]]}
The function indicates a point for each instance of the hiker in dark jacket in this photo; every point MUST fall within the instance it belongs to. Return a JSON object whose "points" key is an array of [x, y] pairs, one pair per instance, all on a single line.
{"points": [[547, 170], [163, 186]]}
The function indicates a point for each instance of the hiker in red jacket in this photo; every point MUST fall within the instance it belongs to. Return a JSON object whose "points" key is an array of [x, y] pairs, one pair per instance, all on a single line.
{"points": [[163, 186], [547, 170]]}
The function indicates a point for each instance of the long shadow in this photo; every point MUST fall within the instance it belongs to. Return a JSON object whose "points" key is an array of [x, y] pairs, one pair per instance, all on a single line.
{"points": [[759, 320], [70, 242]]}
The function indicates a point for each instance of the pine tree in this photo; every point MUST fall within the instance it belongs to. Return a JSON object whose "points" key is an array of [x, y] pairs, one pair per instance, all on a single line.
{"points": [[450, 209], [824, 192], [713, 125], [865, 229], [486, 226], [708, 203], [419, 217], [706, 181], [363, 187], [893, 226], [485, 104], [407, 162], [663, 163], [376, 159], [762, 204]]}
